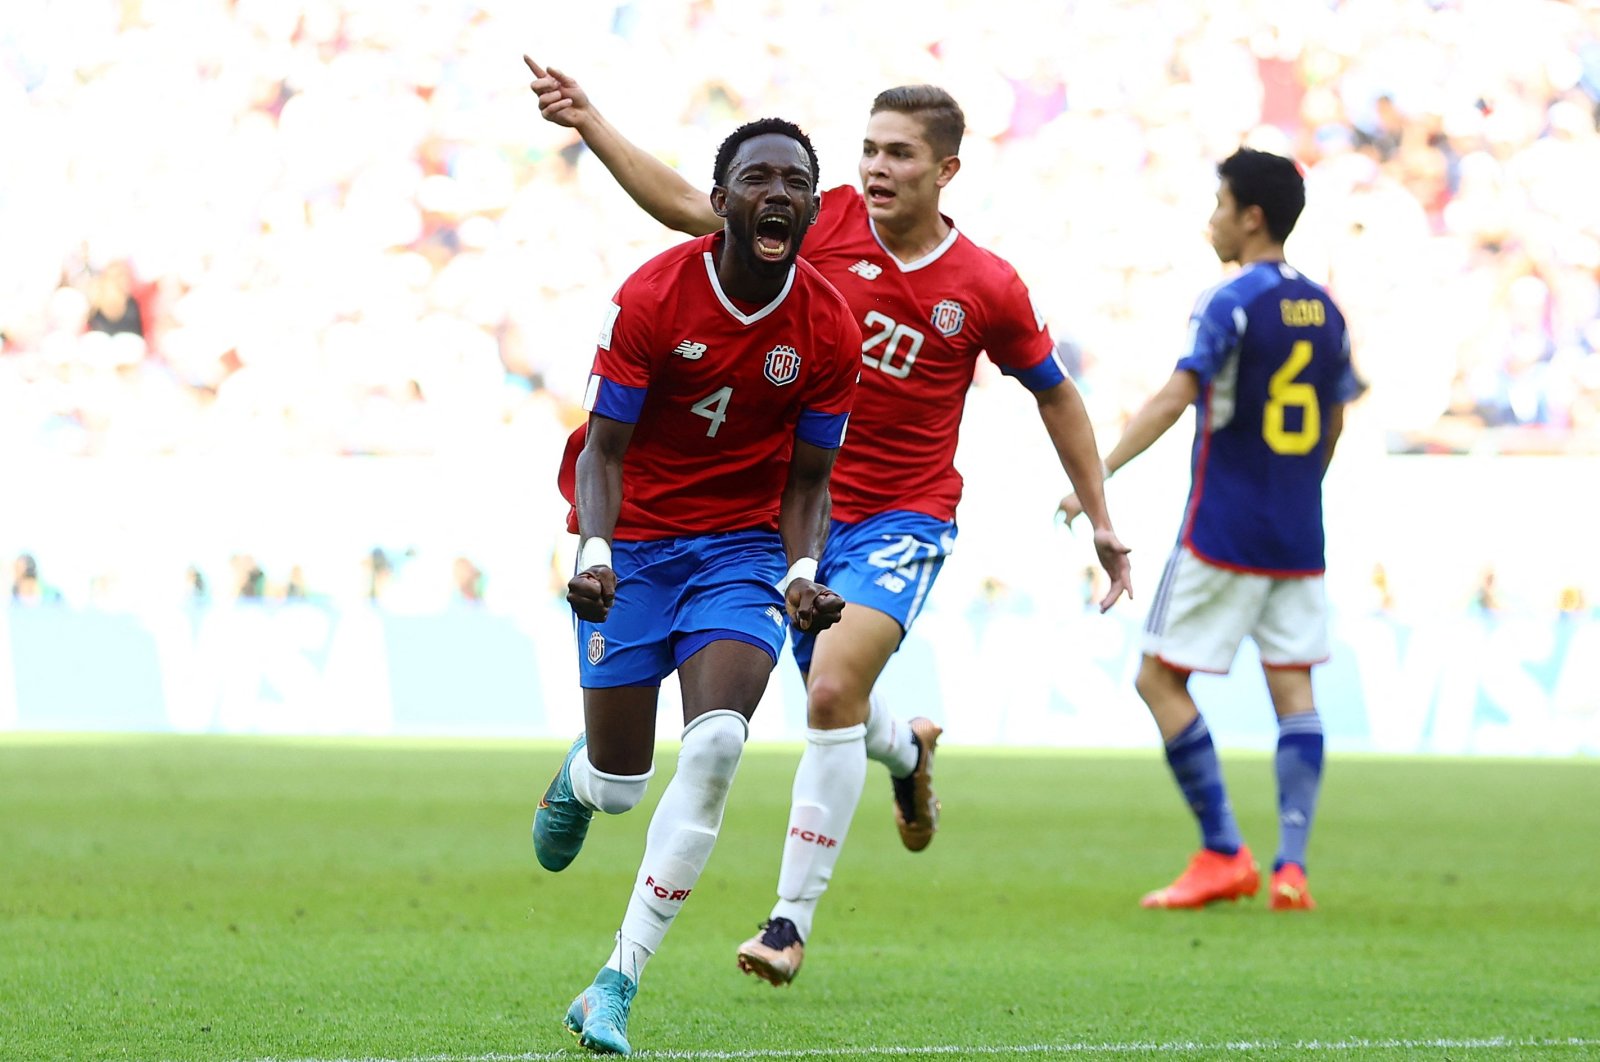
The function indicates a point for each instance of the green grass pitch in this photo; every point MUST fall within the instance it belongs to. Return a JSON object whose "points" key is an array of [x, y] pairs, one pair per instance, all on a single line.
{"points": [[175, 898]]}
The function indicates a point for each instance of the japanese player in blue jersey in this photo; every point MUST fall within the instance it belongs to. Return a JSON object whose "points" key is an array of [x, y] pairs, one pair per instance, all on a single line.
{"points": [[1268, 372], [720, 393]]}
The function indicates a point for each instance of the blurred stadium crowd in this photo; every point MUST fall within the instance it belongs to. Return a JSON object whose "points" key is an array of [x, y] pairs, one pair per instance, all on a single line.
{"points": [[280, 229]]}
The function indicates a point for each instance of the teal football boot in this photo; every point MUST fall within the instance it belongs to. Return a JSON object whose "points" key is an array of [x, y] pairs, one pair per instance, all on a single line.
{"points": [[599, 1016], [562, 822]]}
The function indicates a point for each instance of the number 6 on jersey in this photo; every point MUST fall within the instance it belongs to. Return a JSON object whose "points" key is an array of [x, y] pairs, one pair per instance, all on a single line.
{"points": [[1283, 394]]}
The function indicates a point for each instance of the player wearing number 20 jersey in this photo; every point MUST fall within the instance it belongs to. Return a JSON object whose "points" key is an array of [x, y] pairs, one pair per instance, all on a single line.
{"points": [[1270, 353], [717, 392], [923, 324]]}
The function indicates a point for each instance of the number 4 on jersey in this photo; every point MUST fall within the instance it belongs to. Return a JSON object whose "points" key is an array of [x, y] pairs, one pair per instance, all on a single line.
{"points": [[713, 407]]}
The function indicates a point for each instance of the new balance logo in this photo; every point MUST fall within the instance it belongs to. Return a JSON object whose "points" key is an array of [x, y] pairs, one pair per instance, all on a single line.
{"points": [[866, 270], [775, 615], [690, 351]]}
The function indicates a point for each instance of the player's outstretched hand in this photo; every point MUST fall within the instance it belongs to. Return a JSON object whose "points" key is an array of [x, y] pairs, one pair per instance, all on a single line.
{"points": [[591, 592], [561, 99], [812, 606], [1114, 559]]}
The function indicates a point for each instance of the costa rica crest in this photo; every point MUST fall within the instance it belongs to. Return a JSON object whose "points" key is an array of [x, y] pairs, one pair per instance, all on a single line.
{"points": [[783, 365], [948, 317], [597, 647]]}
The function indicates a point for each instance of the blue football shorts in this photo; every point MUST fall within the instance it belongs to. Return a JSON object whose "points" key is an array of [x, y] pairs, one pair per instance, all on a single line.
{"points": [[675, 596], [887, 562]]}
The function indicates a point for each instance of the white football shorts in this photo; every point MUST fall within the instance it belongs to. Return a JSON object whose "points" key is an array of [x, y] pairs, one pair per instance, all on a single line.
{"points": [[1202, 612]]}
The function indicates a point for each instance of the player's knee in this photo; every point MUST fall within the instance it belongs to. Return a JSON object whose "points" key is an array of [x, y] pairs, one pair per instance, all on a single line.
{"points": [[1290, 690], [713, 743], [1157, 683], [1145, 684], [834, 701]]}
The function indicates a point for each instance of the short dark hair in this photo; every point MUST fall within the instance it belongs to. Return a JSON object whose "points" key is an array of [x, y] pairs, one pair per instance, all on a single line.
{"points": [[1271, 182], [761, 127], [943, 123]]}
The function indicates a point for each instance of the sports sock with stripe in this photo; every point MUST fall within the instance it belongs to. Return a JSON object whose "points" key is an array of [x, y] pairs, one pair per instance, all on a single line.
{"points": [[1193, 759], [1299, 764]]}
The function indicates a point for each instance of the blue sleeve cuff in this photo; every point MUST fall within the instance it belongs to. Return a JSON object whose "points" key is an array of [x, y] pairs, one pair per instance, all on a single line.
{"points": [[614, 400], [1200, 366], [1040, 377], [825, 430]]}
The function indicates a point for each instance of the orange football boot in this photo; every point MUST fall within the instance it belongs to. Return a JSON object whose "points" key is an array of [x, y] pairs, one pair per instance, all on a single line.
{"points": [[1209, 877], [1289, 891], [774, 954]]}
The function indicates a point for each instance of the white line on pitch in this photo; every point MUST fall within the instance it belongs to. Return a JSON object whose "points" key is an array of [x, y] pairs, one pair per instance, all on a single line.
{"points": [[968, 1051]]}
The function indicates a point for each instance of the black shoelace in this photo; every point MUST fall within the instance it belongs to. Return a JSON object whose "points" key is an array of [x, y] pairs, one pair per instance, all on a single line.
{"points": [[779, 933]]}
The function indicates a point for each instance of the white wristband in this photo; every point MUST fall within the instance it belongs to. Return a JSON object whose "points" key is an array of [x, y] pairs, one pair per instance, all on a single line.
{"points": [[595, 553], [804, 568]]}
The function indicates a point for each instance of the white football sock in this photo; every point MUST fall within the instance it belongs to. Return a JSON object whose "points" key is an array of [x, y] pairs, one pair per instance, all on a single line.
{"points": [[827, 788], [611, 794], [681, 835], [889, 739]]}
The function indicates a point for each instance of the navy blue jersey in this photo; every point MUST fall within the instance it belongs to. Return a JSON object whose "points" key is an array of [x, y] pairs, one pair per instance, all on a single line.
{"points": [[1272, 357]]}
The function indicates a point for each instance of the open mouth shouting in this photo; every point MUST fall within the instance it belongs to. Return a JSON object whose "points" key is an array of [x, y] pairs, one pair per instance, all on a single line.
{"points": [[879, 194], [774, 235]]}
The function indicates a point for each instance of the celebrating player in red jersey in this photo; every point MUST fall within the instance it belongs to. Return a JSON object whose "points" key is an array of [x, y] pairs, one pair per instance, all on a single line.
{"points": [[1268, 372], [720, 394], [929, 301]]}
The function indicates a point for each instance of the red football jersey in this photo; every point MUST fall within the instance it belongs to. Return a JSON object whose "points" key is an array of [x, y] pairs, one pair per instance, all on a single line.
{"points": [[717, 393], [923, 325]]}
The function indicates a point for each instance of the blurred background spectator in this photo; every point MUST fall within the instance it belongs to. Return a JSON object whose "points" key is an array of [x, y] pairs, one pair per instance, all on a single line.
{"points": [[468, 581], [250, 231], [26, 586], [349, 233]]}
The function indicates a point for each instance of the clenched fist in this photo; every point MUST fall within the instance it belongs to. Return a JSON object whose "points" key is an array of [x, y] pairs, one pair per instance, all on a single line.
{"points": [[591, 592], [812, 606]]}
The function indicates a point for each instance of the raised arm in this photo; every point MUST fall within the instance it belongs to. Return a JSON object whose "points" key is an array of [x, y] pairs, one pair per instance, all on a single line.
{"points": [[802, 524], [1067, 422], [599, 502], [659, 189]]}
